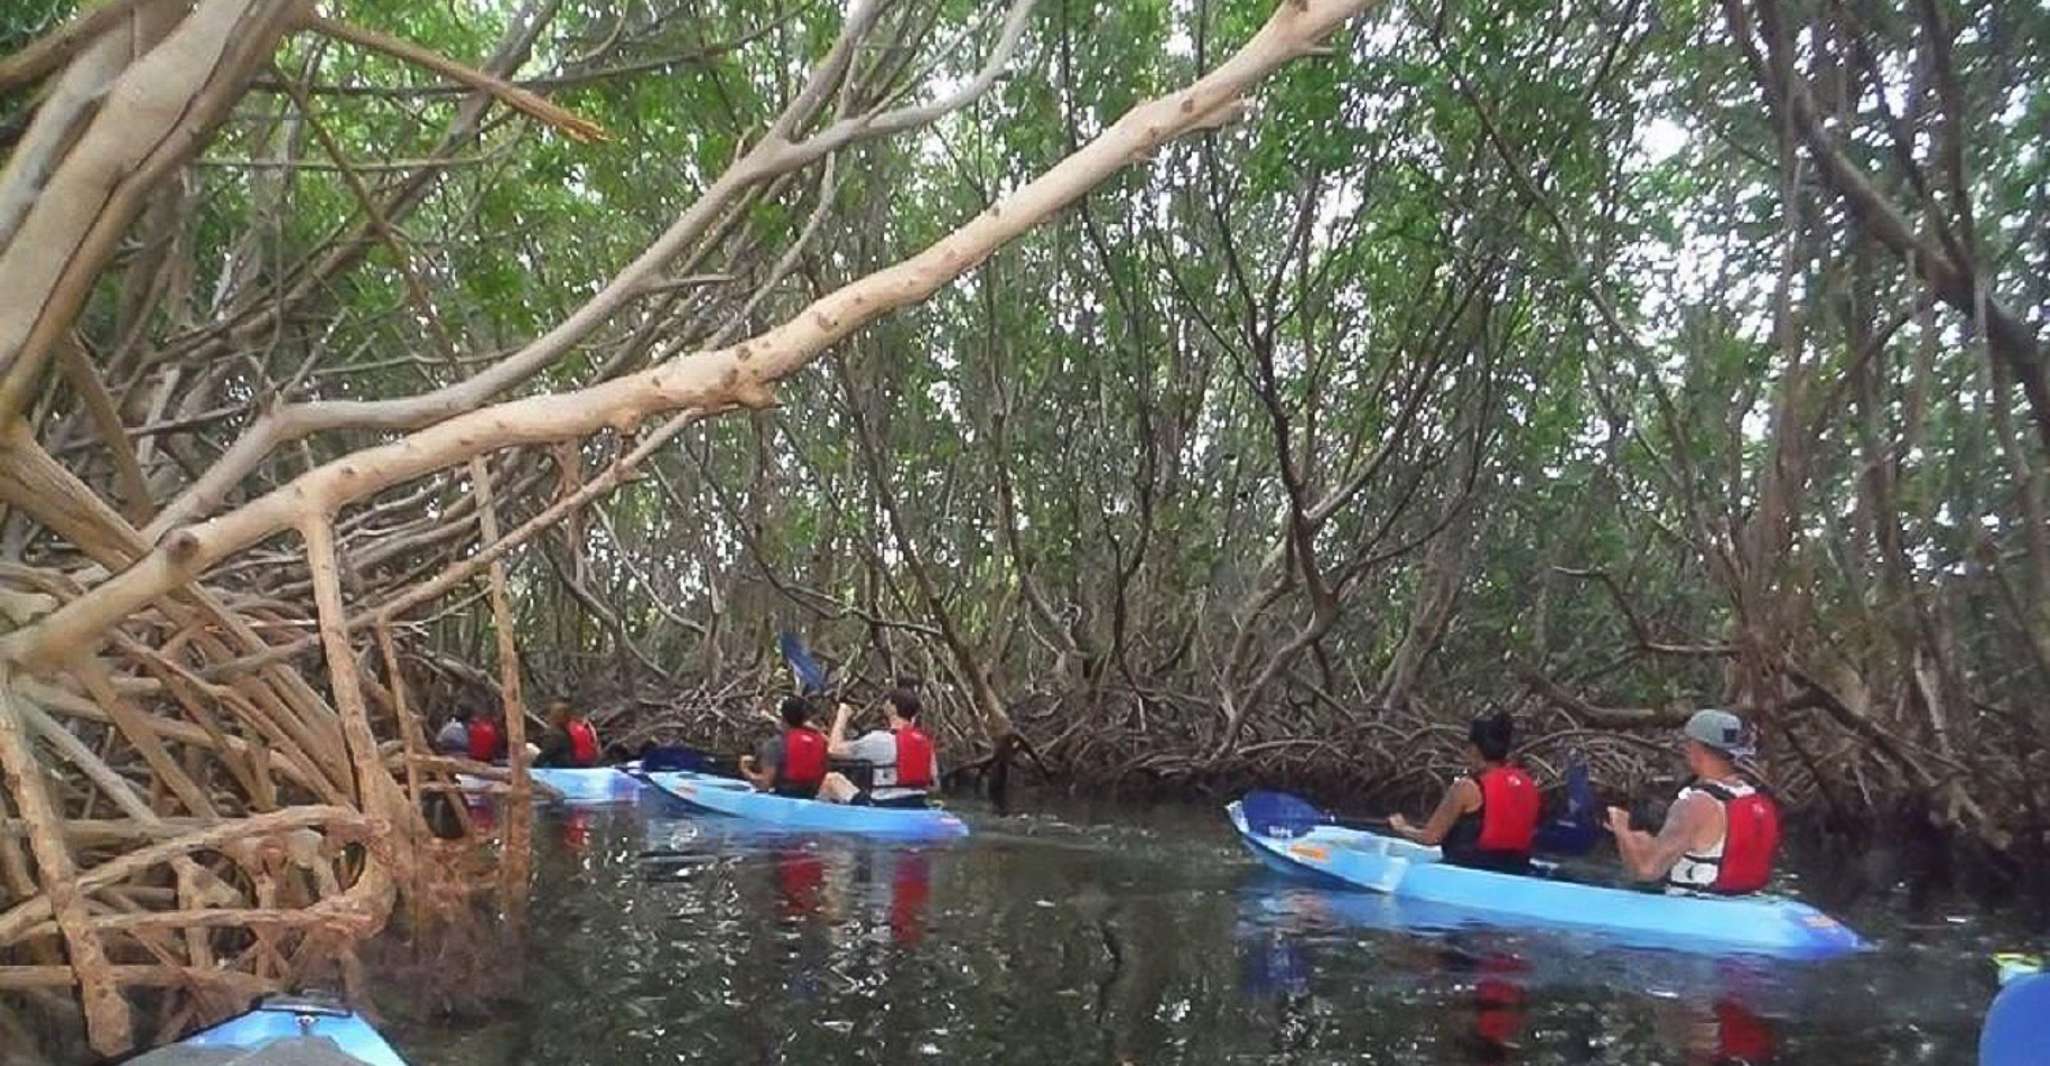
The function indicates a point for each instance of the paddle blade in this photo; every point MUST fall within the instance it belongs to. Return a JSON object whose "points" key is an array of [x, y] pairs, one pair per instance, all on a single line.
{"points": [[1576, 830], [1280, 813], [810, 676], [674, 757]]}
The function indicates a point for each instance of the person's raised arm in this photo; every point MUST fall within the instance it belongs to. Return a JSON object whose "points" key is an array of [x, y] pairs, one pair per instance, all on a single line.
{"points": [[1449, 809], [762, 779], [1647, 857], [836, 741]]}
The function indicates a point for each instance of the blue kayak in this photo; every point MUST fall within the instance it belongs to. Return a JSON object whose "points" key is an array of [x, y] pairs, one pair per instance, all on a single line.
{"points": [[1755, 925], [723, 795], [598, 784], [2017, 1030], [284, 1024], [579, 786]]}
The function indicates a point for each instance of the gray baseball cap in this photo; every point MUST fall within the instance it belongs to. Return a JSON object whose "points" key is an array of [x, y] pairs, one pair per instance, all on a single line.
{"points": [[1718, 729]]}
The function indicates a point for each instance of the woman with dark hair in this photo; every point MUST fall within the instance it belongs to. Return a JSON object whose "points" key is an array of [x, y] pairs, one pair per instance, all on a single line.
{"points": [[792, 763], [1488, 817]]}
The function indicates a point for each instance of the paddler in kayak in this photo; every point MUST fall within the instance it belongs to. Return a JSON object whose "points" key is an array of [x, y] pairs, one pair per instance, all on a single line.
{"points": [[487, 743], [793, 762], [906, 765], [571, 741], [1489, 817], [1720, 834]]}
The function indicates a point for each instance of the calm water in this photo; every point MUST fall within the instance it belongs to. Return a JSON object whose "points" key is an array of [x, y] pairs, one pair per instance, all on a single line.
{"points": [[1114, 935]]}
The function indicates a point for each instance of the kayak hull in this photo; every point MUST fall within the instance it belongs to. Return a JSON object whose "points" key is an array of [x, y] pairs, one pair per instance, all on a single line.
{"points": [[1750, 925], [287, 1017], [2018, 1024], [738, 799], [595, 785], [579, 786]]}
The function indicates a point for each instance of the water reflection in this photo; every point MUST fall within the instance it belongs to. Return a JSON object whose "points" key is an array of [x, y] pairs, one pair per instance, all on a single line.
{"points": [[1143, 937], [1714, 1011]]}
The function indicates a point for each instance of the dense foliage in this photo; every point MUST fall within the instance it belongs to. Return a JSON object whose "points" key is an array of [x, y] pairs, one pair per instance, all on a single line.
{"points": [[1601, 360]]}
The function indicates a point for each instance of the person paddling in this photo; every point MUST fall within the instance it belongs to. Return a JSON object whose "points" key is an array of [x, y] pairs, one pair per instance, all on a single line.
{"points": [[794, 762], [454, 737], [1488, 818], [905, 762], [572, 740], [1720, 834]]}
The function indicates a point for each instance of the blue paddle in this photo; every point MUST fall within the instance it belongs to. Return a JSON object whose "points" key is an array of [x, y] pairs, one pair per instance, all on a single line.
{"points": [[1293, 815], [684, 757], [811, 677], [1576, 830]]}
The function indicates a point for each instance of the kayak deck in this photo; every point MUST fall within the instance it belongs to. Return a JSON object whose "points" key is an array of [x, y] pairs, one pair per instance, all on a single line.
{"points": [[1764, 925], [739, 799], [281, 1029]]}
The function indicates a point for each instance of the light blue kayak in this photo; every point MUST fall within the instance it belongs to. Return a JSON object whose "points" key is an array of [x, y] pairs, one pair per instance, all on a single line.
{"points": [[595, 785], [1751, 925], [281, 1024], [722, 795], [579, 786]]}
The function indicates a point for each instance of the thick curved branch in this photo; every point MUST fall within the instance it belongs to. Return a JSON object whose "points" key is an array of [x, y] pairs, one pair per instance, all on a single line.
{"points": [[739, 375], [773, 156]]}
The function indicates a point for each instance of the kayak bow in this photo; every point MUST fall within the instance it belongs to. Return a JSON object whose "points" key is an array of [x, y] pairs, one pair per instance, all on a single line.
{"points": [[283, 1024], [1759, 924], [578, 786], [738, 799]]}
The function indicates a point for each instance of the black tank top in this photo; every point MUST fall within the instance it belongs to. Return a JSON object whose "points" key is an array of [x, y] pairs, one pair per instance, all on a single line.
{"points": [[1462, 845]]}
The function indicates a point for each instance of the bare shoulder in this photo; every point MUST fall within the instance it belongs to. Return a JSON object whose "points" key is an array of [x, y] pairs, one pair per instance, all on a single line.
{"points": [[1699, 813]]}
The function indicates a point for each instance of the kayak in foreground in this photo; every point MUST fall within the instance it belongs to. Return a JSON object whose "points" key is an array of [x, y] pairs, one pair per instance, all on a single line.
{"points": [[1760, 925], [281, 1030], [578, 786], [2017, 1029], [738, 799]]}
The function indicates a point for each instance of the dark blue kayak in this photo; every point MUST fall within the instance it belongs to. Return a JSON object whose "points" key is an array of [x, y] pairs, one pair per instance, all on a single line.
{"points": [[296, 1028]]}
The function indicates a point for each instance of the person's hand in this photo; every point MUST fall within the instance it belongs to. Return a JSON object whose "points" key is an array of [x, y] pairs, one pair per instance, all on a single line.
{"points": [[1399, 824], [747, 763], [1619, 821]]}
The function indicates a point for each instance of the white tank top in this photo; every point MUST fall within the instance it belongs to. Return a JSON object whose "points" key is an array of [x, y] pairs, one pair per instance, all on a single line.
{"points": [[1699, 867]]}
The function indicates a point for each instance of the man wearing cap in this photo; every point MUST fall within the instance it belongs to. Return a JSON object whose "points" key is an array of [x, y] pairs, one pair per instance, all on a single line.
{"points": [[1720, 835]]}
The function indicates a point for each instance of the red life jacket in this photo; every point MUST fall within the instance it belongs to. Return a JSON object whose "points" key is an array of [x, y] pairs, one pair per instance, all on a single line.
{"points": [[484, 740], [914, 758], [583, 742], [804, 758], [1509, 810], [1751, 836]]}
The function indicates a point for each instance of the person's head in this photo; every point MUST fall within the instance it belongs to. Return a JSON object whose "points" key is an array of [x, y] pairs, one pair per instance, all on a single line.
{"points": [[1490, 736], [796, 711], [559, 711], [1714, 741], [901, 705]]}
